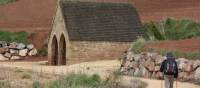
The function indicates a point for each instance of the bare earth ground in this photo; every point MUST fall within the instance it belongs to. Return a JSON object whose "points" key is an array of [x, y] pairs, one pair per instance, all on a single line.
{"points": [[187, 45], [99, 67]]}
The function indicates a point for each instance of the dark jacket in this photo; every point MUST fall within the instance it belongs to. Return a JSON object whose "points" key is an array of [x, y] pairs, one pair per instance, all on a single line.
{"points": [[163, 64]]}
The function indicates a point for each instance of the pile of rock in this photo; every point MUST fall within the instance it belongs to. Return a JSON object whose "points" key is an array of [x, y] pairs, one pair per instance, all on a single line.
{"points": [[148, 65], [13, 51]]}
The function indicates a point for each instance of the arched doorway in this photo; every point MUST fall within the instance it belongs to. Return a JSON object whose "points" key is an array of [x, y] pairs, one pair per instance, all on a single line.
{"points": [[62, 48], [54, 50]]}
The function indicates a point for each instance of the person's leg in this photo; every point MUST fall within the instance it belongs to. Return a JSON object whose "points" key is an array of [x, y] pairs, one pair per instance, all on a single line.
{"points": [[167, 83], [171, 80]]}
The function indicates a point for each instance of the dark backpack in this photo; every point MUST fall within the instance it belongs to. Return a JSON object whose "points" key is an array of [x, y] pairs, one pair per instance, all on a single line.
{"points": [[170, 67]]}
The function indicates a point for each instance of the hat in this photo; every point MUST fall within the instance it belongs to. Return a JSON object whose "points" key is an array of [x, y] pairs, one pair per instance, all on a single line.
{"points": [[169, 55]]}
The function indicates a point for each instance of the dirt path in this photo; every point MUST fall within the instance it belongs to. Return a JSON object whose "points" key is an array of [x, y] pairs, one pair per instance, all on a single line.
{"points": [[102, 68]]}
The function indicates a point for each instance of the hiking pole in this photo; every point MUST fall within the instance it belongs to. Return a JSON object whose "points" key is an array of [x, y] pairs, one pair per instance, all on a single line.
{"points": [[161, 84], [176, 84]]}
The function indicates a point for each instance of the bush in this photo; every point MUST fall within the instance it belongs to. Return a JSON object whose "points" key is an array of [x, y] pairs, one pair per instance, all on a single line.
{"points": [[76, 81], [139, 45], [4, 84], [43, 52], [20, 37], [171, 29], [2, 2], [26, 76], [36, 84]]}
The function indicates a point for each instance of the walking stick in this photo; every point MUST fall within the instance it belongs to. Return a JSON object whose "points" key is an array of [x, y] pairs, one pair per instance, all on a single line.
{"points": [[161, 84], [176, 84]]}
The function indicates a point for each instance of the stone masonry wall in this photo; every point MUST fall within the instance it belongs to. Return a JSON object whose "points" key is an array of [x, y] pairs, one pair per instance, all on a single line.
{"points": [[92, 51]]}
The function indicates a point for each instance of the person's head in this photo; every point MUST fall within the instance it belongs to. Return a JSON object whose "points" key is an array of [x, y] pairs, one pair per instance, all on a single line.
{"points": [[169, 55]]}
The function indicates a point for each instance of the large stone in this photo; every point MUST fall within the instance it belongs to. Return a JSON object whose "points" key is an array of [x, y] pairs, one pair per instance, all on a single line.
{"points": [[159, 75], [15, 58], [14, 52], [159, 59], [30, 46], [23, 52], [13, 45], [3, 44], [2, 58], [8, 55], [21, 46], [137, 72], [196, 64], [137, 57], [157, 68], [182, 63], [130, 55], [149, 65], [3, 50], [197, 74], [188, 67], [32, 52]]}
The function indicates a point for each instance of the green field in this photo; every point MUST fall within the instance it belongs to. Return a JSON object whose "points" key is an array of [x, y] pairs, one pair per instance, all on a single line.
{"points": [[3, 2]]}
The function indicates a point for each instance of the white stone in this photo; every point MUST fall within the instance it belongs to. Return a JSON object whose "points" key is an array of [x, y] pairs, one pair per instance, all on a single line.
{"points": [[197, 74], [15, 58], [8, 55], [23, 52], [13, 45], [21, 46], [13, 51], [30, 46], [2, 58], [33, 52]]}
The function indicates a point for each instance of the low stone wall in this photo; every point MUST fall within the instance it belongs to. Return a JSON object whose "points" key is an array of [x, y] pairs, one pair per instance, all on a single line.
{"points": [[92, 51], [148, 65], [13, 51]]}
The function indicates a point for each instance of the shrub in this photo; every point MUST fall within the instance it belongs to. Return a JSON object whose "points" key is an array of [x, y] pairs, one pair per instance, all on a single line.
{"points": [[76, 81], [43, 52], [4, 84], [36, 84], [171, 29], [26, 76], [139, 45], [20, 37], [2, 2]]}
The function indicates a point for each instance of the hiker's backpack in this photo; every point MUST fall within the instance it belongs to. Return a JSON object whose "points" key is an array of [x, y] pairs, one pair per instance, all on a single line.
{"points": [[170, 67]]}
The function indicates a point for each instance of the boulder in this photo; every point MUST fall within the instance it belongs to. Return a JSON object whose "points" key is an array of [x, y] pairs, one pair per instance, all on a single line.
{"points": [[197, 74], [14, 52], [13, 45], [188, 67], [15, 58], [3, 44], [137, 57], [159, 75], [21, 46], [149, 65], [159, 59], [196, 64], [2, 58], [23, 52], [3, 50], [30, 46], [157, 68], [182, 63], [137, 72], [7, 55], [130, 55], [32, 52]]}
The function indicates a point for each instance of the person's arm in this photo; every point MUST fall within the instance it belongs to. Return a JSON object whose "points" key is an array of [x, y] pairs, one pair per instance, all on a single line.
{"points": [[162, 66], [176, 75]]}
